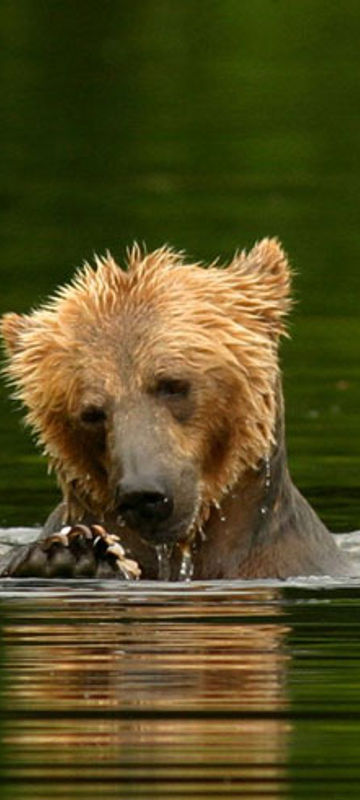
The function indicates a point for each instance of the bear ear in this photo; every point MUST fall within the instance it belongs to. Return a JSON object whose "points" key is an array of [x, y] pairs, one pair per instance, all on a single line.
{"points": [[11, 327], [264, 278]]}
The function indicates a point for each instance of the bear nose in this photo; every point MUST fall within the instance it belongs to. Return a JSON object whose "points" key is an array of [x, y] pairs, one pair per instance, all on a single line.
{"points": [[144, 509]]}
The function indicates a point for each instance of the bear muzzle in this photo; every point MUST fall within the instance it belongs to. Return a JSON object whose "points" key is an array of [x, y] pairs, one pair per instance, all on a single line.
{"points": [[147, 508]]}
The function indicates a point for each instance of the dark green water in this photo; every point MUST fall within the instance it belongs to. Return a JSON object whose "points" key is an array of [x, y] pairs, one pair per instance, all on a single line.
{"points": [[207, 125]]}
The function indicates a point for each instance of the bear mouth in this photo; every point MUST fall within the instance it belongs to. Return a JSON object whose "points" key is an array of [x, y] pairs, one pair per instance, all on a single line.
{"points": [[153, 530]]}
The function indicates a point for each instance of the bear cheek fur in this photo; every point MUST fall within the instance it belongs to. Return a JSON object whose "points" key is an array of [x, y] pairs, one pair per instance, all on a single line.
{"points": [[77, 455], [239, 435]]}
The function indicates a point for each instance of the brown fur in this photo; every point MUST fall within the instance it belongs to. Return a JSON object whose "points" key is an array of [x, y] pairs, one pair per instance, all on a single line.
{"points": [[183, 362]]}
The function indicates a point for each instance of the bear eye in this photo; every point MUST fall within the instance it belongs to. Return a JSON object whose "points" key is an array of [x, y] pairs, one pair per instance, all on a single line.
{"points": [[93, 415], [172, 387]]}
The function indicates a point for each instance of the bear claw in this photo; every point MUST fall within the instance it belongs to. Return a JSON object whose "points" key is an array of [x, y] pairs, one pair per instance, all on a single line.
{"points": [[74, 551], [99, 537]]}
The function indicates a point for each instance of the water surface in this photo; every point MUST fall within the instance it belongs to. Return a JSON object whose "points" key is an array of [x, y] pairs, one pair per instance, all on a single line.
{"points": [[154, 690]]}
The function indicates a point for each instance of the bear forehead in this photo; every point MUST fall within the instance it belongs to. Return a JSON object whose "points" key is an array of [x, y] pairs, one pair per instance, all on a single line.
{"points": [[153, 311], [146, 339], [139, 299], [156, 319]]}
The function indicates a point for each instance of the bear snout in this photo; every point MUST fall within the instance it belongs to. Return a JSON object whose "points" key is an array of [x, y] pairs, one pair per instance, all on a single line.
{"points": [[145, 507]]}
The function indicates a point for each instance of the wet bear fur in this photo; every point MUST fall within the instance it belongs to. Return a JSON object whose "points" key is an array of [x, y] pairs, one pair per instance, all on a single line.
{"points": [[155, 393]]}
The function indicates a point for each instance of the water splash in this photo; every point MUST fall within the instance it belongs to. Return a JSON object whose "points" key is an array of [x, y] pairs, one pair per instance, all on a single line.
{"points": [[163, 552]]}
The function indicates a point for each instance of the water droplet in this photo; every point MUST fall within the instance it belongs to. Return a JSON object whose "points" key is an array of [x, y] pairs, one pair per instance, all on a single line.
{"points": [[186, 567], [202, 534], [267, 472]]}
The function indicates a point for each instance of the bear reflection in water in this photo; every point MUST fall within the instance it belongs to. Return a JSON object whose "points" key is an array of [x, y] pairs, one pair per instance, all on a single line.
{"points": [[192, 689], [155, 392]]}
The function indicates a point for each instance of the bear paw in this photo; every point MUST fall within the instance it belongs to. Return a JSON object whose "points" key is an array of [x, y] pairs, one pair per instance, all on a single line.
{"points": [[80, 551]]}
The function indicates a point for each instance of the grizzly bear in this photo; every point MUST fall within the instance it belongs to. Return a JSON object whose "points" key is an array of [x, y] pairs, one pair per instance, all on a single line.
{"points": [[155, 392]]}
